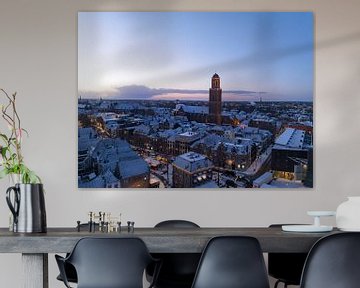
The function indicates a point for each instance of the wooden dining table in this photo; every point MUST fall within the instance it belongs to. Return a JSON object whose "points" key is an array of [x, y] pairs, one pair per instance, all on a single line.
{"points": [[35, 247]]}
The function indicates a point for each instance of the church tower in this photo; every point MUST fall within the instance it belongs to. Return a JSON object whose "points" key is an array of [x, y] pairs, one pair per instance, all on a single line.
{"points": [[215, 100]]}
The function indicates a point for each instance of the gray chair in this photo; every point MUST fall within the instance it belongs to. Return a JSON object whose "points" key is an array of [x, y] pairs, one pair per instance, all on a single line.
{"points": [[108, 263], [333, 262], [232, 262]]}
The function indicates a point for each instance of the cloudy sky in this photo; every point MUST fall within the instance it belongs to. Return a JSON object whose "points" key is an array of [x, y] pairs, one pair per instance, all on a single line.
{"points": [[172, 55]]}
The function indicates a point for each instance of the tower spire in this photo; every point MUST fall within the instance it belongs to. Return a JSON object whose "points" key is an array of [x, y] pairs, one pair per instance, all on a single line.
{"points": [[215, 93]]}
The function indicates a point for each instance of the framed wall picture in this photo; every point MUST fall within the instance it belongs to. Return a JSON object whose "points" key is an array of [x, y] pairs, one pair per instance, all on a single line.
{"points": [[195, 99]]}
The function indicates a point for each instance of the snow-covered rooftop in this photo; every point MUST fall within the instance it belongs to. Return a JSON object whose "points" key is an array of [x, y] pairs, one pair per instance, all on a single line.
{"points": [[188, 137], [192, 162], [193, 109], [192, 157], [188, 134], [265, 178], [112, 152], [211, 140], [240, 149], [291, 138], [97, 182], [133, 167]]}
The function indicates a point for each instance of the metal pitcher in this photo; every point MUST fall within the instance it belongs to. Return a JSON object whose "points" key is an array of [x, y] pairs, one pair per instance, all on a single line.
{"points": [[28, 207]]}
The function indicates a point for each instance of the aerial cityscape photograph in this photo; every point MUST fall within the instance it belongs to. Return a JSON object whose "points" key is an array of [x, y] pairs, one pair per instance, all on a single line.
{"points": [[195, 100]]}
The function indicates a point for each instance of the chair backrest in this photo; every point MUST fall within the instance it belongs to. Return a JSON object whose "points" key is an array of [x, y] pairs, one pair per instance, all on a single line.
{"points": [[286, 266], [176, 224], [110, 262], [232, 262], [333, 262], [177, 267]]}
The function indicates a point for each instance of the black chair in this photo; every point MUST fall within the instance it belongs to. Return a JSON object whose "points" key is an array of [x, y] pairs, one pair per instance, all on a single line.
{"points": [[69, 269], [108, 263], [333, 262], [178, 269], [232, 262], [286, 267]]}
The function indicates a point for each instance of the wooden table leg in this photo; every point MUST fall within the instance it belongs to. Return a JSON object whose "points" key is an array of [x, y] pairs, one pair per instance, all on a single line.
{"points": [[35, 270]]}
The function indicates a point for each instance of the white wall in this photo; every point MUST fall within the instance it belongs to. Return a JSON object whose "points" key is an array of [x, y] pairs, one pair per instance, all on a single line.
{"points": [[38, 59]]}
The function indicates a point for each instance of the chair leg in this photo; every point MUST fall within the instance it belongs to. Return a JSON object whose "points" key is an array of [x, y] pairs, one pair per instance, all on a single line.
{"points": [[278, 282]]}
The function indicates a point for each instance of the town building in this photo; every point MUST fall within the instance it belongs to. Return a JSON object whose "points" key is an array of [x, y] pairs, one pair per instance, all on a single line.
{"points": [[265, 124], [236, 154], [192, 170], [183, 141], [290, 155]]}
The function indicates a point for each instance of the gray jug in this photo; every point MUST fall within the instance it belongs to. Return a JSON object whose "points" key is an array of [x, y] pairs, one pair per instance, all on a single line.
{"points": [[28, 208]]}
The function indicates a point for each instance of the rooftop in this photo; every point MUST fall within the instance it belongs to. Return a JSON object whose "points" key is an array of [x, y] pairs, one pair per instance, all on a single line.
{"points": [[192, 162], [188, 134], [193, 109], [192, 156], [115, 152], [291, 138], [134, 167], [265, 178], [188, 137]]}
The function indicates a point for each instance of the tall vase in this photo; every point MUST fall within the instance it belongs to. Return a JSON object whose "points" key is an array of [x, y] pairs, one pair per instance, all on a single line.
{"points": [[348, 214], [27, 204]]}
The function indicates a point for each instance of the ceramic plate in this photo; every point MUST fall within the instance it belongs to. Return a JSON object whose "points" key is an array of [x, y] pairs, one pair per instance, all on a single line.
{"points": [[306, 228]]}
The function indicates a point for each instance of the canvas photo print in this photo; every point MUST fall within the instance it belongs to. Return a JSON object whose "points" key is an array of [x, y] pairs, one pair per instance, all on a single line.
{"points": [[195, 100]]}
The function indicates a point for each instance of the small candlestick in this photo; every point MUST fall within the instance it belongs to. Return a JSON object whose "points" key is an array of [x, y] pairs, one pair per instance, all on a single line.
{"points": [[90, 221], [108, 217], [78, 225]]}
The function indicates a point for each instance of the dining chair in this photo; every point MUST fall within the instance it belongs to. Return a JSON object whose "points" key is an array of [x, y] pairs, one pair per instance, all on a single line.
{"points": [[286, 267], [108, 263], [178, 269], [333, 262], [70, 271], [232, 262]]}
